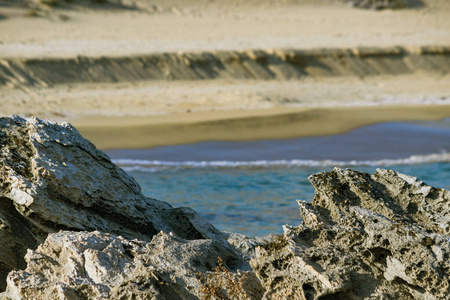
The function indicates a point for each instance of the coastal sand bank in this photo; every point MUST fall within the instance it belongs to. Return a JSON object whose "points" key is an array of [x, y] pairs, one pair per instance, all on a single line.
{"points": [[271, 64], [145, 132]]}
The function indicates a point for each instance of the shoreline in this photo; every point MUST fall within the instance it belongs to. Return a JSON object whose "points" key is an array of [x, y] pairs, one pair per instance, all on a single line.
{"points": [[136, 132]]}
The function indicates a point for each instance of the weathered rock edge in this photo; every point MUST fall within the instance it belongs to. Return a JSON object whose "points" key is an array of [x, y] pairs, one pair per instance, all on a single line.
{"points": [[53, 179], [380, 236]]}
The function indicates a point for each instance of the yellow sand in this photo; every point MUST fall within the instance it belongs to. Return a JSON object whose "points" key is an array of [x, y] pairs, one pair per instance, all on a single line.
{"points": [[140, 132], [186, 25]]}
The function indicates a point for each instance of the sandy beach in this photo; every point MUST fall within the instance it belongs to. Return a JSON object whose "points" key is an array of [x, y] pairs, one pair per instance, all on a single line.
{"points": [[223, 70]]}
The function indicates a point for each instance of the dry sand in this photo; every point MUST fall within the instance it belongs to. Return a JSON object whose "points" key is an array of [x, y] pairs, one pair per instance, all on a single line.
{"points": [[146, 113], [188, 25]]}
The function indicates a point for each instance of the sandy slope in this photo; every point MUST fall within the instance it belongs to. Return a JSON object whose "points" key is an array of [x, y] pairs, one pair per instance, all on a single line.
{"points": [[175, 25]]}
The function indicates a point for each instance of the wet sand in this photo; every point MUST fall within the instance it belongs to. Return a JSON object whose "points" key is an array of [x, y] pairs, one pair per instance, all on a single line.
{"points": [[145, 132], [372, 144]]}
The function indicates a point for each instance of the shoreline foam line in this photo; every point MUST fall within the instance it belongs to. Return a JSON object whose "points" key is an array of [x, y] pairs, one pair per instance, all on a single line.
{"points": [[279, 64], [154, 165]]}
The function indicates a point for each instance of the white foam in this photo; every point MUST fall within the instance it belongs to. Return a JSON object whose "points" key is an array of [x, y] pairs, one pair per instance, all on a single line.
{"points": [[154, 165]]}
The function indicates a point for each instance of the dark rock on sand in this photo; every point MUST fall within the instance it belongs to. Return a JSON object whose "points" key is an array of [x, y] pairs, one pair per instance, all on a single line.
{"points": [[378, 4]]}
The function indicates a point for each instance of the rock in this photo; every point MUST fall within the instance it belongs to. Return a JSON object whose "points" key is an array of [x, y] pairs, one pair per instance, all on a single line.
{"points": [[16, 237], [52, 179], [399, 197], [58, 180], [377, 4], [95, 265], [380, 236]]}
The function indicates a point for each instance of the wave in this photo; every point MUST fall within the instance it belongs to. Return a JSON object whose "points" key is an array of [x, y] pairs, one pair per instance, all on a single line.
{"points": [[155, 165]]}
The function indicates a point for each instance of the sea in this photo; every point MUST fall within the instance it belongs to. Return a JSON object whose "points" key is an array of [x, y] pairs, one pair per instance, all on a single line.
{"points": [[251, 187]]}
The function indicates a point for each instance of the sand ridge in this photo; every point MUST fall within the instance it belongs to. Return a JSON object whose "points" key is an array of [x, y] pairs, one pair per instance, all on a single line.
{"points": [[259, 64]]}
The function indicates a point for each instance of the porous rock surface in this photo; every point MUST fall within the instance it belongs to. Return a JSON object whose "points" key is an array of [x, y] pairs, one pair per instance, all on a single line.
{"points": [[91, 234], [52, 179], [95, 265], [380, 236]]}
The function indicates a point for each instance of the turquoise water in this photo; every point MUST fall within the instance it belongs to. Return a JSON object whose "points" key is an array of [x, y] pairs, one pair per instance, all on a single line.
{"points": [[251, 187], [254, 202]]}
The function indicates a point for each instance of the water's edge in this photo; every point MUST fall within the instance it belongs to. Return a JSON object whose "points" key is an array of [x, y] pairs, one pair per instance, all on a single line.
{"points": [[256, 197]]}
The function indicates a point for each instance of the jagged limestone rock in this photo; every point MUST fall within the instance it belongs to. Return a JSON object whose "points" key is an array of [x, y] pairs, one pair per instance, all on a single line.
{"points": [[52, 179], [380, 236], [57, 179], [95, 265], [399, 197]]}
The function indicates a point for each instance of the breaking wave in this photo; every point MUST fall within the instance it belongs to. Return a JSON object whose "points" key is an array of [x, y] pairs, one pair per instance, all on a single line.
{"points": [[155, 165]]}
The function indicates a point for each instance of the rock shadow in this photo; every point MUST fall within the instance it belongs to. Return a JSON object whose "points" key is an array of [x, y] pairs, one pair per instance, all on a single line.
{"points": [[415, 3]]}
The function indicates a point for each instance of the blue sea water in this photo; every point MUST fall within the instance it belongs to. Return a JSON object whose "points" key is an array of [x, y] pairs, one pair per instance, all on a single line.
{"points": [[251, 187]]}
